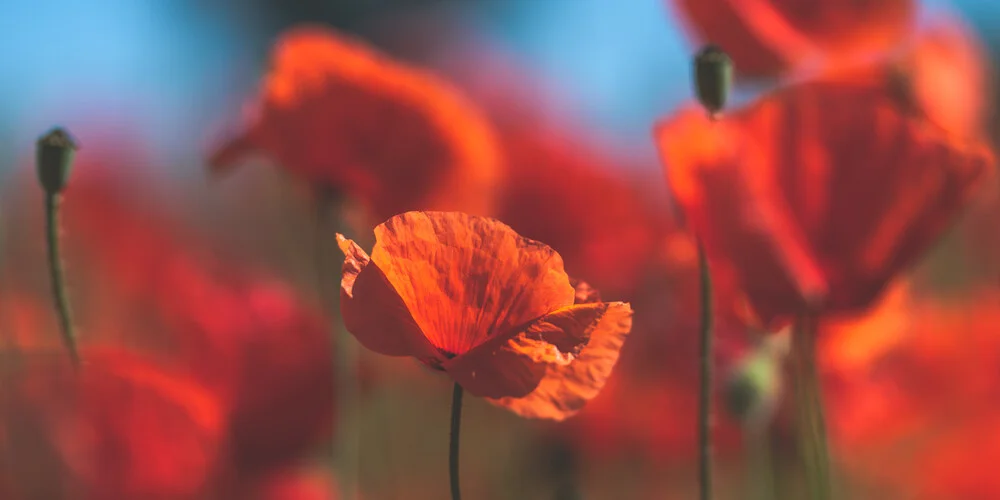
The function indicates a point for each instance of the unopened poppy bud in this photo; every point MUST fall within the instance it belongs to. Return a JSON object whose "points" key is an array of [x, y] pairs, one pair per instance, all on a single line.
{"points": [[713, 78], [55, 159], [751, 393]]}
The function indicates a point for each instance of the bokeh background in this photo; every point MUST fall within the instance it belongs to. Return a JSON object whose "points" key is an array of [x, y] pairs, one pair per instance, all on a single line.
{"points": [[155, 83]]}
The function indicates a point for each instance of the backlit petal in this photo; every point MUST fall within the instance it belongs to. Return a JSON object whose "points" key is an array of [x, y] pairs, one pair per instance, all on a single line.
{"points": [[466, 279], [374, 312], [513, 365], [565, 388]]}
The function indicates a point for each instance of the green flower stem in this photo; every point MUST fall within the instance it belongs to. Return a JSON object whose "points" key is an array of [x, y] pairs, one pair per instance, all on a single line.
{"points": [[456, 424], [705, 393], [809, 409]]}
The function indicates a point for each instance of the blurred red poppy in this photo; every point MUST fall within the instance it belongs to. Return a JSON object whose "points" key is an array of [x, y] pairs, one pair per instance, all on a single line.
{"points": [[605, 227], [818, 195], [241, 333], [348, 118], [917, 412], [496, 311], [768, 37], [119, 428]]}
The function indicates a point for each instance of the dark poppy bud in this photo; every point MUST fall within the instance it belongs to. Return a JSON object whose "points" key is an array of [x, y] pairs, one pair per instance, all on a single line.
{"points": [[56, 150], [713, 78]]}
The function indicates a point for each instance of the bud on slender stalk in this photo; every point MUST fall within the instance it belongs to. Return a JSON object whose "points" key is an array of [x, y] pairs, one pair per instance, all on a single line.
{"points": [[713, 78], [56, 150], [55, 153]]}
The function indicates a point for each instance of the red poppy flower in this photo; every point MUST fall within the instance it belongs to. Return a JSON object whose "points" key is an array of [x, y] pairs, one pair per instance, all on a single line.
{"points": [[818, 195], [496, 311], [118, 428], [344, 116], [766, 37], [602, 225], [241, 333], [915, 408]]}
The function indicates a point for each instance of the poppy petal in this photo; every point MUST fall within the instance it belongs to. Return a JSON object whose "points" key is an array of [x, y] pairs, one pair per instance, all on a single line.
{"points": [[374, 312], [466, 279], [564, 389], [513, 365]]}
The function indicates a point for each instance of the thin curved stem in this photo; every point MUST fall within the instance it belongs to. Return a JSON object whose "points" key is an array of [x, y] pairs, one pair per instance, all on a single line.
{"points": [[52, 214], [809, 405], [456, 425], [705, 393]]}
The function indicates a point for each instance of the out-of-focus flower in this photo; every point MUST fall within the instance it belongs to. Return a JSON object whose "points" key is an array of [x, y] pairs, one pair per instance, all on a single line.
{"points": [[348, 118], [120, 427], [240, 333], [496, 311], [578, 199], [818, 195], [915, 407], [768, 37]]}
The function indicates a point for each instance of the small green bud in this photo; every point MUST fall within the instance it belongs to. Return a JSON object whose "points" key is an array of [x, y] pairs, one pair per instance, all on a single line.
{"points": [[713, 78], [55, 153], [753, 388]]}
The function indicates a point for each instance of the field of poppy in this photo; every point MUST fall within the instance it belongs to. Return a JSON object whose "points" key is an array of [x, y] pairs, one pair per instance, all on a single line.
{"points": [[401, 261]]}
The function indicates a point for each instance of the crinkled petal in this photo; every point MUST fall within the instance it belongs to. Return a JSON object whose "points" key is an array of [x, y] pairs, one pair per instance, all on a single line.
{"points": [[374, 312], [566, 388], [467, 279], [513, 365]]}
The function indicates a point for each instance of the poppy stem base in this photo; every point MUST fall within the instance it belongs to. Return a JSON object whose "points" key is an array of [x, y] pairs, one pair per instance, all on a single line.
{"points": [[456, 425], [811, 423], [53, 201]]}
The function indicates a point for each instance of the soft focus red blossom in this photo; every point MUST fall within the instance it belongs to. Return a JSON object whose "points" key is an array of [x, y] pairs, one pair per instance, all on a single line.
{"points": [[346, 117], [119, 428], [912, 395], [579, 200], [241, 333], [496, 311], [819, 194], [768, 37]]}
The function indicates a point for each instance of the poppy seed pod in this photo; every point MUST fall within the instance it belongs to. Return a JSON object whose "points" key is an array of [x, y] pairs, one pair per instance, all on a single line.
{"points": [[753, 388], [55, 159], [713, 78]]}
